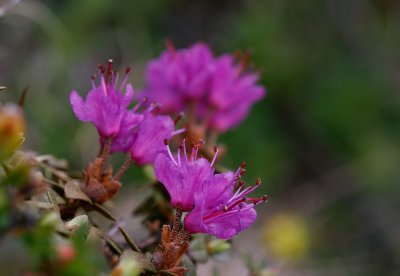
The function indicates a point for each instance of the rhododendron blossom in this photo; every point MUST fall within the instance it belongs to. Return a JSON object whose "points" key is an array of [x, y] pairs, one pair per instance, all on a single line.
{"points": [[214, 207], [148, 140], [183, 176], [139, 132], [105, 105], [218, 91], [220, 211]]}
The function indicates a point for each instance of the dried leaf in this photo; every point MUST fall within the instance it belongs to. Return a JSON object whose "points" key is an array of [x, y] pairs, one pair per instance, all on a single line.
{"points": [[39, 204], [22, 97], [52, 197], [139, 258], [106, 238], [73, 190], [2, 88], [129, 241]]}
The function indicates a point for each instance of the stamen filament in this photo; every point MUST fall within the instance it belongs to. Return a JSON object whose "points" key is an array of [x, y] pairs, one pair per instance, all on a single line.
{"points": [[178, 131], [216, 149], [169, 152]]}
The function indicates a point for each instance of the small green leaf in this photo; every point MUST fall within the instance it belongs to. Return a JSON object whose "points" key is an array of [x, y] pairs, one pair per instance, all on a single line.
{"points": [[106, 238], [77, 222], [129, 241], [188, 264], [198, 249], [140, 259], [103, 211]]}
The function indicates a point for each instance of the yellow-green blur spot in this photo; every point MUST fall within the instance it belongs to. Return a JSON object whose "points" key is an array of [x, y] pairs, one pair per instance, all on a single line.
{"points": [[287, 236]]}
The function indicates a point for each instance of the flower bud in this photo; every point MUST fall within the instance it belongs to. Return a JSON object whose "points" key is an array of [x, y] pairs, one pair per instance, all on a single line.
{"points": [[12, 127]]}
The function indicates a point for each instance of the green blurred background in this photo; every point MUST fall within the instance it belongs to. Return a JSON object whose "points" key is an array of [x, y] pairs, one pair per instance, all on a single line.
{"points": [[326, 139]]}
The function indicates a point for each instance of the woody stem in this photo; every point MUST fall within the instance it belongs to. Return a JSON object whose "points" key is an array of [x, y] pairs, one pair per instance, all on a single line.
{"points": [[177, 223], [106, 149], [105, 153], [123, 168]]}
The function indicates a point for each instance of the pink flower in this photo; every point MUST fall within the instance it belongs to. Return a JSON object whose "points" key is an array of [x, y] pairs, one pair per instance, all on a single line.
{"points": [[149, 138], [183, 176], [105, 105], [232, 93], [221, 212], [179, 76], [138, 132], [218, 91], [213, 205]]}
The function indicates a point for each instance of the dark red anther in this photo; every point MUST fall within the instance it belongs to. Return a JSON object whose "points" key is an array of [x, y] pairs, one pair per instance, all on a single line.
{"points": [[241, 183], [156, 109], [258, 181], [242, 172], [181, 147], [166, 142], [178, 118], [265, 198], [215, 148], [109, 69], [127, 70], [93, 77], [243, 165], [101, 68], [170, 46]]}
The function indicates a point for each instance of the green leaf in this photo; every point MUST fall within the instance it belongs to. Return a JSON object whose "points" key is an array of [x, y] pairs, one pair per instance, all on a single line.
{"points": [[106, 238], [103, 211], [198, 248], [129, 241], [77, 222], [140, 259], [73, 190], [187, 263]]}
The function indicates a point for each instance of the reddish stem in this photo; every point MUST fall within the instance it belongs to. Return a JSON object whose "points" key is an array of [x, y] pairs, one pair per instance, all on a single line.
{"points": [[123, 168]]}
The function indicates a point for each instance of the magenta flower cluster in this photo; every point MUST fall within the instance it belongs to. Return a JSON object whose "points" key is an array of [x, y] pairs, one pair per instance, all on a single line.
{"points": [[138, 132], [213, 205], [216, 89]]}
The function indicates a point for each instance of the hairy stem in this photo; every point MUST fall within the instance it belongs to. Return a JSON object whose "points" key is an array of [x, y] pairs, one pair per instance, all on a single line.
{"points": [[124, 167], [177, 223]]}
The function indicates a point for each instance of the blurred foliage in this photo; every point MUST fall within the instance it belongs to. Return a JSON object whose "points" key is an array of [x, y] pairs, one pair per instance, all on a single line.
{"points": [[326, 140]]}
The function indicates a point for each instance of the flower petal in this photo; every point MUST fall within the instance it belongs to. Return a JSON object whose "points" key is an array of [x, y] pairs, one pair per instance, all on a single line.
{"points": [[78, 106]]}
